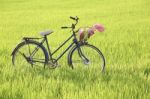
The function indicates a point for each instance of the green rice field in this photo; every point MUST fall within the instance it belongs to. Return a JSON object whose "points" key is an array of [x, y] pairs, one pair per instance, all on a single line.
{"points": [[125, 45]]}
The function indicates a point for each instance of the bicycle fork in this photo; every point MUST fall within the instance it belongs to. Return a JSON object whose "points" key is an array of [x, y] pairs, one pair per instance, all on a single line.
{"points": [[85, 60]]}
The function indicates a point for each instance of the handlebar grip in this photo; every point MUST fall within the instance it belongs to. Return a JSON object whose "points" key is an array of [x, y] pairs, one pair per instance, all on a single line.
{"points": [[72, 18], [64, 27]]}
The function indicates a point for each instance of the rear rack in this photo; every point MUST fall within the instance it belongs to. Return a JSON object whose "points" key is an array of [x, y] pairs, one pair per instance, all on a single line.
{"points": [[30, 38]]}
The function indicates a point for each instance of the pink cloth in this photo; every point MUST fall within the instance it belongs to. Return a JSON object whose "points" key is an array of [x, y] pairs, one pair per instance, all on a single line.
{"points": [[87, 32], [99, 27]]}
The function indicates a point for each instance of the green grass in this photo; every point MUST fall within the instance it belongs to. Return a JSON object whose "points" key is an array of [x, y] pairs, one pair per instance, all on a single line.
{"points": [[125, 44]]}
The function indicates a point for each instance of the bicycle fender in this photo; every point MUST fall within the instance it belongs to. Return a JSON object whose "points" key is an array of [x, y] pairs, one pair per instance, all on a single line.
{"points": [[13, 51]]}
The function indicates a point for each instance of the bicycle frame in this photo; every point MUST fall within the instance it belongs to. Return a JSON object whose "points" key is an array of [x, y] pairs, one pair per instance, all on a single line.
{"points": [[75, 42]]}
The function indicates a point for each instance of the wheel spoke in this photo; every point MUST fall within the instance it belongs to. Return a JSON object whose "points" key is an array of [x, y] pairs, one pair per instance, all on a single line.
{"points": [[23, 55]]}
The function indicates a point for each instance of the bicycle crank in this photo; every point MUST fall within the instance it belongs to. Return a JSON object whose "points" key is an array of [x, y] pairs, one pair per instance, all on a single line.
{"points": [[53, 64]]}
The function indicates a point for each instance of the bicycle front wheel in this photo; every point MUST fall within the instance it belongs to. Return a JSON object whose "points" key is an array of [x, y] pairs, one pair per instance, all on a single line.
{"points": [[29, 53], [87, 56]]}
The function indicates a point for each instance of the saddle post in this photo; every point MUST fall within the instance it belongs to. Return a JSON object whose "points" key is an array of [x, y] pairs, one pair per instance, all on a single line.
{"points": [[49, 51]]}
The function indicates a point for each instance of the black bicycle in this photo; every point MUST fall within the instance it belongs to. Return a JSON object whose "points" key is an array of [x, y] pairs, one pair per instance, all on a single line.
{"points": [[36, 52]]}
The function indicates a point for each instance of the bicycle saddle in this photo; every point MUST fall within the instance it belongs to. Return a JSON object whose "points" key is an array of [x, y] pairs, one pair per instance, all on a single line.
{"points": [[44, 33]]}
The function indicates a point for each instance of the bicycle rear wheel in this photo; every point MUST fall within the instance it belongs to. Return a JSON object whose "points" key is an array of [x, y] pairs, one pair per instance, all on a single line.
{"points": [[87, 57], [29, 53]]}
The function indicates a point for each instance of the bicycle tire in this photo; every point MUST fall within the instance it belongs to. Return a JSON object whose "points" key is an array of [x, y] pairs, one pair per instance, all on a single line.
{"points": [[74, 51], [25, 43]]}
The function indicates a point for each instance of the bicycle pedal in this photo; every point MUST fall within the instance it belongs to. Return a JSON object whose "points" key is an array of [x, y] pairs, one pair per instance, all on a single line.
{"points": [[51, 65]]}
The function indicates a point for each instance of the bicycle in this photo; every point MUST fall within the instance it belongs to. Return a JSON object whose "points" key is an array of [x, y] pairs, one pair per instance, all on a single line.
{"points": [[34, 53]]}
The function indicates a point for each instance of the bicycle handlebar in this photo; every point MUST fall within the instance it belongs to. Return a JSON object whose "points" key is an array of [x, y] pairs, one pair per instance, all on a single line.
{"points": [[65, 27], [74, 18], [73, 25]]}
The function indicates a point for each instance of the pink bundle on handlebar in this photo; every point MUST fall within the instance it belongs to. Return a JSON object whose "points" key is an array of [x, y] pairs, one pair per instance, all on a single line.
{"points": [[87, 32]]}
